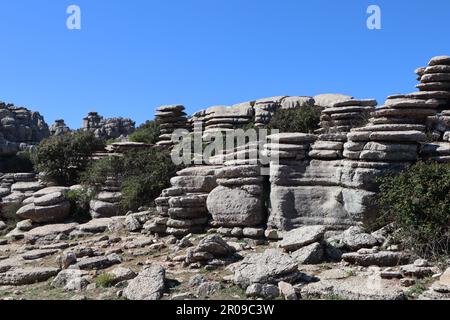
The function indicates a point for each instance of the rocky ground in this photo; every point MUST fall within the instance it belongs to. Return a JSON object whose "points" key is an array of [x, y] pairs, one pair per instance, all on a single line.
{"points": [[115, 258]]}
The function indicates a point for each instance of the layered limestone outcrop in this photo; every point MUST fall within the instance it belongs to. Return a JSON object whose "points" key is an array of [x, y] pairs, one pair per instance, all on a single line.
{"points": [[112, 128], [237, 205], [107, 203], [20, 128], [59, 128], [170, 118], [182, 208]]}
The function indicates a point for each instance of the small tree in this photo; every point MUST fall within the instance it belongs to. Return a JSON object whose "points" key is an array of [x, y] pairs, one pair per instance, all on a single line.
{"points": [[63, 158], [417, 201], [146, 133], [305, 120], [143, 175]]}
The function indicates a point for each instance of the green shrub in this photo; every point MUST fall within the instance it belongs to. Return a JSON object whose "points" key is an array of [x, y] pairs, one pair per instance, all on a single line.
{"points": [[146, 133], [63, 158], [305, 119], [105, 280], [79, 200], [147, 174], [142, 174], [417, 201], [97, 172]]}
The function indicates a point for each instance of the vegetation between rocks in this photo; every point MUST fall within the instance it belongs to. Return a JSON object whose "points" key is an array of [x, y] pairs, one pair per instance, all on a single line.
{"points": [[63, 158], [417, 202], [305, 119]]}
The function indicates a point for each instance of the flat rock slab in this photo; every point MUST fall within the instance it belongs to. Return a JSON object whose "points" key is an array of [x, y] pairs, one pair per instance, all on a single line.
{"points": [[269, 267], [51, 230], [292, 138], [38, 254], [381, 259], [361, 287], [148, 285], [19, 277], [96, 225], [301, 237], [97, 263]]}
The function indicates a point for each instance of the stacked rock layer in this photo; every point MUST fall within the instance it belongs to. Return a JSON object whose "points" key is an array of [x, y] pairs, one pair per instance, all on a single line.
{"points": [[170, 118], [435, 79], [236, 205], [59, 128], [182, 208], [107, 202], [112, 128], [336, 120]]}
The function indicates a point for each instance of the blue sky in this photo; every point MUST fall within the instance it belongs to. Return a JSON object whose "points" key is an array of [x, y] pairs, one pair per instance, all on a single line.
{"points": [[132, 56]]}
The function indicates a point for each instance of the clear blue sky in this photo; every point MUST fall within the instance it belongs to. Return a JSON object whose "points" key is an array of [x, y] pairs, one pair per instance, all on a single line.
{"points": [[132, 56]]}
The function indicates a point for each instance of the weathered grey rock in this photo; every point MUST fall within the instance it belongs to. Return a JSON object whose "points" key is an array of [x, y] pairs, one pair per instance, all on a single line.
{"points": [[25, 225], [311, 254], [45, 214], [265, 291], [208, 288], [440, 60], [95, 225], [292, 138], [269, 267], [398, 136], [49, 199], [26, 276], [298, 238], [234, 207], [101, 209], [381, 259], [148, 285], [330, 100], [97, 263], [27, 186], [287, 291], [132, 224], [360, 287], [107, 196], [355, 238], [38, 253], [120, 274], [210, 247], [66, 259], [51, 231], [71, 280]]}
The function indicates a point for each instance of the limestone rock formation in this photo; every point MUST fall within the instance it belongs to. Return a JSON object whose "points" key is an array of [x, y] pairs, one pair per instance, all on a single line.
{"points": [[170, 118], [236, 204], [148, 285], [107, 202], [16, 187], [182, 208], [59, 128], [19, 129], [112, 128]]}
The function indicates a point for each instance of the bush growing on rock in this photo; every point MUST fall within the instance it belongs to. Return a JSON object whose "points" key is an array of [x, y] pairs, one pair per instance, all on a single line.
{"points": [[305, 119], [63, 158], [142, 174], [417, 201], [146, 133], [79, 201]]}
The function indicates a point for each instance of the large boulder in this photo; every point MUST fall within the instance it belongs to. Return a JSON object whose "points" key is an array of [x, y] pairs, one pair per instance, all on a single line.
{"points": [[233, 207], [269, 267], [148, 285], [45, 214], [25, 276], [301, 237]]}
